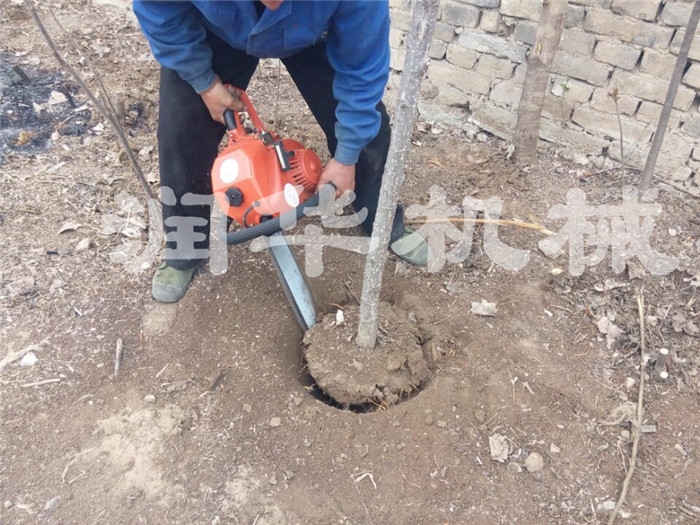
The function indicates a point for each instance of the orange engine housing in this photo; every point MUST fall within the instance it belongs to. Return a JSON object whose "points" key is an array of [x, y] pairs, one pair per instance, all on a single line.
{"points": [[259, 176]]}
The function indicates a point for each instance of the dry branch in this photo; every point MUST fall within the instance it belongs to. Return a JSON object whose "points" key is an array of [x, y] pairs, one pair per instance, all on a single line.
{"points": [[499, 222], [637, 425]]}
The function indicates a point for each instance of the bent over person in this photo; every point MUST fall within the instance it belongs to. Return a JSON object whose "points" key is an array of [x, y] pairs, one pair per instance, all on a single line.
{"points": [[337, 54]]}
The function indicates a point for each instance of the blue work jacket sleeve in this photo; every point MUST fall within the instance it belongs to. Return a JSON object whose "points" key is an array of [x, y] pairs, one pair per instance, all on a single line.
{"points": [[358, 51], [178, 39]]}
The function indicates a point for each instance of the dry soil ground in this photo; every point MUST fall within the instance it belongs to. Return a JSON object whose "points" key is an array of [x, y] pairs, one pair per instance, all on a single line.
{"points": [[212, 417]]}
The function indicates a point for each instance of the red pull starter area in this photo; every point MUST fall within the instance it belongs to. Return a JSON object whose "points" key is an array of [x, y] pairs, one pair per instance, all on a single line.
{"points": [[258, 176]]}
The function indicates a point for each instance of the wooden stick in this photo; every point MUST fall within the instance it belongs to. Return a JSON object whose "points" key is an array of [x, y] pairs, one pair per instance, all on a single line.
{"points": [[640, 413], [44, 382], [499, 222], [118, 357]]}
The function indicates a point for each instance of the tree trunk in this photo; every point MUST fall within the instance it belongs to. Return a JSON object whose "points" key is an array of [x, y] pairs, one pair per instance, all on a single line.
{"points": [[682, 60], [424, 17], [549, 32]]}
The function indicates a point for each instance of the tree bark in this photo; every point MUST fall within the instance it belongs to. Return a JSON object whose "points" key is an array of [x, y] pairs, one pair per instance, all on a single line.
{"points": [[549, 33], [424, 18], [681, 62]]}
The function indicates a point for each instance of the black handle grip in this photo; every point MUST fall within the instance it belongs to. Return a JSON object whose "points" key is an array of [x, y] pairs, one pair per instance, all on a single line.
{"points": [[230, 119], [267, 228]]}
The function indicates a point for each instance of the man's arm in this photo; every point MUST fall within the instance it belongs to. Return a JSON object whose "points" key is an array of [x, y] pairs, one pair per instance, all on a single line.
{"points": [[177, 39], [358, 51]]}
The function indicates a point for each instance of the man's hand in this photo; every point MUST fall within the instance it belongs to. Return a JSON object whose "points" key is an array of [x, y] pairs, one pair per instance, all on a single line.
{"points": [[219, 98], [343, 176]]}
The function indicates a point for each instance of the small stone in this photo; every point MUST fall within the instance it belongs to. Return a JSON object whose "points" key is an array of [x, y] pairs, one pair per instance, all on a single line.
{"points": [[480, 416], [29, 359], [429, 420], [339, 318], [8, 504], [672, 232], [289, 475], [625, 434], [534, 462], [83, 245], [441, 424], [275, 422], [554, 449], [149, 398], [400, 446], [629, 383], [247, 408]]}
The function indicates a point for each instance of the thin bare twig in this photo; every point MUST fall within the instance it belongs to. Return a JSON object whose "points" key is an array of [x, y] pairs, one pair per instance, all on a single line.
{"points": [[118, 352], [109, 116], [636, 427], [499, 222]]}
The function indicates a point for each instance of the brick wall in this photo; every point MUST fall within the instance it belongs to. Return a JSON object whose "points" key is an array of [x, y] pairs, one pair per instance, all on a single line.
{"points": [[478, 64]]}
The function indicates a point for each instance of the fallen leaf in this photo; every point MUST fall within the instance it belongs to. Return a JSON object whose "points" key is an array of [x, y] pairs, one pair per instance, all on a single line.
{"points": [[69, 226]]}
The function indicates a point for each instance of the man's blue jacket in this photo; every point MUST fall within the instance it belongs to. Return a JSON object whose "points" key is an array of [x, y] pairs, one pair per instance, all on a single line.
{"points": [[357, 33]]}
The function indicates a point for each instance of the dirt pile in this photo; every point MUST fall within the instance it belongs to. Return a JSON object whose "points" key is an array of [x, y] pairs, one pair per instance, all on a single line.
{"points": [[394, 370]]}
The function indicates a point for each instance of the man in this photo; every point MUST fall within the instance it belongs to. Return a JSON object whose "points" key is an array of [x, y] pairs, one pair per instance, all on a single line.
{"points": [[337, 53]]}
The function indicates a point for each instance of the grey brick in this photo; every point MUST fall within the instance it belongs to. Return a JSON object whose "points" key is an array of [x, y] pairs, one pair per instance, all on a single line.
{"points": [[494, 67], [657, 64], [603, 22], [491, 21], [461, 57], [567, 88], [581, 68], [507, 93], [694, 48], [577, 139], [557, 108], [577, 42], [651, 88], [692, 76], [676, 13], [486, 43], [692, 127], [397, 59], [525, 32], [605, 4], [651, 111], [456, 85], [459, 14], [617, 54], [437, 50], [401, 19], [495, 120], [396, 37], [482, 3], [696, 153], [644, 9], [444, 32], [574, 16], [607, 125], [529, 9], [602, 101]]}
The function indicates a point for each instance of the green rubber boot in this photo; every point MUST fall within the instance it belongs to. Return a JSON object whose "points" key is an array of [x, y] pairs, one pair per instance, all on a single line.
{"points": [[412, 248], [169, 285]]}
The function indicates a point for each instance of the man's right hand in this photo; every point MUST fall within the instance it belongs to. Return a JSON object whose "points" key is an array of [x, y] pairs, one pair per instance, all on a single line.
{"points": [[219, 97]]}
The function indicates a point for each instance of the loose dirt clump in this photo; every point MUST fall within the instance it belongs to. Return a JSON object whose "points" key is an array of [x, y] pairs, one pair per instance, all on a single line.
{"points": [[395, 369]]}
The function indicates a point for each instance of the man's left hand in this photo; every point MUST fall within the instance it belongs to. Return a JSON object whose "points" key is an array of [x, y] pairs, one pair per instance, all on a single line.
{"points": [[342, 175]]}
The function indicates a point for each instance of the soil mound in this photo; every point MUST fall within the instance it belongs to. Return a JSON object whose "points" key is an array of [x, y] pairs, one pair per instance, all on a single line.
{"points": [[392, 371]]}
